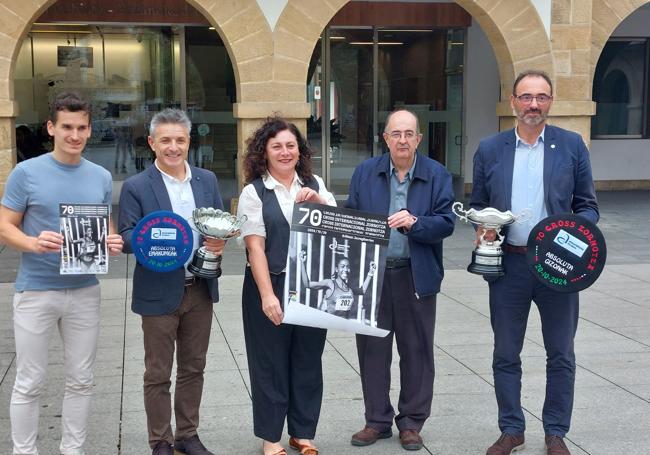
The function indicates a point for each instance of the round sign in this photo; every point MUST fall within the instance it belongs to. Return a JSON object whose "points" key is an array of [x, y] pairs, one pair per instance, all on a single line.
{"points": [[203, 129], [162, 241], [566, 252]]}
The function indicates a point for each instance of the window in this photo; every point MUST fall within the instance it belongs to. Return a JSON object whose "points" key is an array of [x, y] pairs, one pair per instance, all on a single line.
{"points": [[621, 90]]}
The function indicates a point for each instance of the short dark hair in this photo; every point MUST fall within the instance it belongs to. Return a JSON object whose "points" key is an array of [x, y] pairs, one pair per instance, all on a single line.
{"points": [[255, 165], [71, 102], [532, 73]]}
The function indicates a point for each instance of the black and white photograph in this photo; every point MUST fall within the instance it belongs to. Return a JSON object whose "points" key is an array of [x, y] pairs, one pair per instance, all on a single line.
{"points": [[335, 268], [84, 228]]}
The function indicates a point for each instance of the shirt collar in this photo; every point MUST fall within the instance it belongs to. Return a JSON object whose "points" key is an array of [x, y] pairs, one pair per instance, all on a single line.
{"points": [[270, 182], [409, 174], [188, 173], [519, 140]]}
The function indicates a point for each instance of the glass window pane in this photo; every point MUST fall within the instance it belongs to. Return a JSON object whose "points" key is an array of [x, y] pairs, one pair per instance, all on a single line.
{"points": [[619, 89]]}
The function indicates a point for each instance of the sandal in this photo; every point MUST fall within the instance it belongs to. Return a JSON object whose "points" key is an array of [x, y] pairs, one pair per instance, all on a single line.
{"points": [[305, 449], [282, 451]]}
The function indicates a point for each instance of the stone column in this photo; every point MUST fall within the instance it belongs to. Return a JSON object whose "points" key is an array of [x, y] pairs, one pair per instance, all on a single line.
{"points": [[250, 115]]}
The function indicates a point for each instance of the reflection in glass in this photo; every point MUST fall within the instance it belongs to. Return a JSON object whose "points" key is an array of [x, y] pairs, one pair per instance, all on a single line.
{"points": [[619, 89]]}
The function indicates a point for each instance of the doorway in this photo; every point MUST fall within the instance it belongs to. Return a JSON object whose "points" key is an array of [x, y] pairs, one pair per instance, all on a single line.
{"points": [[358, 75]]}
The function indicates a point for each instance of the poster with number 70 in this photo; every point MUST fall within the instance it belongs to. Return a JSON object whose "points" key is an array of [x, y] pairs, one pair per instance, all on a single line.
{"points": [[84, 228], [335, 268]]}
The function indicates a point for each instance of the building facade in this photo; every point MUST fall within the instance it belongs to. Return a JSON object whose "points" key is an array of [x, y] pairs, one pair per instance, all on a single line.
{"points": [[334, 67]]}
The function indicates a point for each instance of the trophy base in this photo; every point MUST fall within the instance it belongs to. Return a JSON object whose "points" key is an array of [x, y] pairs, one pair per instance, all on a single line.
{"points": [[205, 264], [486, 264]]}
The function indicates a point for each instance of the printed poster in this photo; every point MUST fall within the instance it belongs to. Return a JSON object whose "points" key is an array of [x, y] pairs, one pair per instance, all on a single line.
{"points": [[84, 228], [335, 268]]}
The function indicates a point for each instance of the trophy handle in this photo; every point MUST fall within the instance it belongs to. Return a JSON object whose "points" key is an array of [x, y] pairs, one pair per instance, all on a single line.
{"points": [[461, 213]]}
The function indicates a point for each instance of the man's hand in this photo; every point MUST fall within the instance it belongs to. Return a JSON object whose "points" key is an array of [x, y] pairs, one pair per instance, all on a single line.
{"points": [[487, 235], [115, 244], [214, 245], [47, 242], [401, 219]]}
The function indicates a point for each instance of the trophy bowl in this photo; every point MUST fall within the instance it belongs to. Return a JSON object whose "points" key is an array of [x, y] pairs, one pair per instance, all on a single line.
{"points": [[213, 223], [487, 257]]}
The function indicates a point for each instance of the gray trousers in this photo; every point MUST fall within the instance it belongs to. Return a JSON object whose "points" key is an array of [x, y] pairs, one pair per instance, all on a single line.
{"points": [[411, 321]]}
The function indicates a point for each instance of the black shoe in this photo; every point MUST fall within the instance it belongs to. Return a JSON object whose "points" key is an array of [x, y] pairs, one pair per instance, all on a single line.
{"points": [[162, 448], [191, 446]]}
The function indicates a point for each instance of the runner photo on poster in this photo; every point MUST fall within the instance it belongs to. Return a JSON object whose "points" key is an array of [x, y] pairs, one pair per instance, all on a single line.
{"points": [[335, 268], [84, 228]]}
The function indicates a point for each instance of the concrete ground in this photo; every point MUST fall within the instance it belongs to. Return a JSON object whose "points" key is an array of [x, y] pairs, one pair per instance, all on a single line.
{"points": [[612, 401]]}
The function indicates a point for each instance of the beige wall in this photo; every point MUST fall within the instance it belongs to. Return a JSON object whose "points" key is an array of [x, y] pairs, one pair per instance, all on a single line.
{"points": [[271, 65]]}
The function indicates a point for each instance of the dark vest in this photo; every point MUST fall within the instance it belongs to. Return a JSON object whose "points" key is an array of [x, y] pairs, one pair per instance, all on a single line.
{"points": [[277, 228]]}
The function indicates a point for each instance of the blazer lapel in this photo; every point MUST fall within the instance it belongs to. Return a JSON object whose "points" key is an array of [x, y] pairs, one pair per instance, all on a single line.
{"points": [[508, 162], [550, 150], [159, 189], [197, 190]]}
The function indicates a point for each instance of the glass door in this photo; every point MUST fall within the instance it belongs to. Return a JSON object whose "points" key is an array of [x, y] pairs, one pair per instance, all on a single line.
{"points": [[359, 75], [349, 104]]}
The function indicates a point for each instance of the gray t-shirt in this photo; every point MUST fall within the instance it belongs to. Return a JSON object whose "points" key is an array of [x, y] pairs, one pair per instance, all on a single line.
{"points": [[35, 188]]}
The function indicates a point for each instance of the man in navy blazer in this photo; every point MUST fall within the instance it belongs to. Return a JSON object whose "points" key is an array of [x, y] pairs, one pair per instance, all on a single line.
{"points": [[415, 192], [546, 170], [176, 307]]}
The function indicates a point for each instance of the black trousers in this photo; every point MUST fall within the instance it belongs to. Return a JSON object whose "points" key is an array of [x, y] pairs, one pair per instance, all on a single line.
{"points": [[284, 363], [411, 321]]}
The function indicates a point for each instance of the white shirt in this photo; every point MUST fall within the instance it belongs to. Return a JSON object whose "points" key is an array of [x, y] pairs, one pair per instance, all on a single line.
{"points": [[182, 199], [251, 205]]}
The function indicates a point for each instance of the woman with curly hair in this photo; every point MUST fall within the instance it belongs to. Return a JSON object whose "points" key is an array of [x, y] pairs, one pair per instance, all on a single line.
{"points": [[284, 360]]}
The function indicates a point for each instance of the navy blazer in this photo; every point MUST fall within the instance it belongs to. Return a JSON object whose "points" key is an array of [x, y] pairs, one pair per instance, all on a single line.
{"points": [[430, 197], [157, 293], [568, 183]]}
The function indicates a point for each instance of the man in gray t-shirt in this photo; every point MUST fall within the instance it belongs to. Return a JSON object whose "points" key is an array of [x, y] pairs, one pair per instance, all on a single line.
{"points": [[44, 299]]}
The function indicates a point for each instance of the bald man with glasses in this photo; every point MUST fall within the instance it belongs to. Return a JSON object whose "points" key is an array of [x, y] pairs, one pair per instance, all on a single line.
{"points": [[415, 193], [544, 169]]}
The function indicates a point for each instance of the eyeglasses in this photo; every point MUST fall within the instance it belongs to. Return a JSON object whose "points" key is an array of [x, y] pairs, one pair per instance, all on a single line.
{"points": [[527, 98], [397, 135]]}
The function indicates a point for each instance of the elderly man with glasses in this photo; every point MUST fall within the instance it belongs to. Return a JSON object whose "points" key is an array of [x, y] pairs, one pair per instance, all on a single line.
{"points": [[415, 192], [544, 169]]}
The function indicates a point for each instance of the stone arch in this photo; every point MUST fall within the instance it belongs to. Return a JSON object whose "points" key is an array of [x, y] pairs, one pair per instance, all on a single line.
{"points": [[240, 23], [606, 16], [242, 37], [302, 21]]}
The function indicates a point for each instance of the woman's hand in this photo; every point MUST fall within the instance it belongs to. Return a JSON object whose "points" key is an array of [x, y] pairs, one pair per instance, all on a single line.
{"points": [[306, 194], [272, 309]]}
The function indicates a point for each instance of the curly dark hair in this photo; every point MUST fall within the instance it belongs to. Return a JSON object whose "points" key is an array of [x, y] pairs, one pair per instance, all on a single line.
{"points": [[255, 160]]}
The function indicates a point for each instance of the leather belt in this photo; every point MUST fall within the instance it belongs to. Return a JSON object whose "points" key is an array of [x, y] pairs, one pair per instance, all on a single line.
{"points": [[396, 263], [191, 281], [515, 249]]}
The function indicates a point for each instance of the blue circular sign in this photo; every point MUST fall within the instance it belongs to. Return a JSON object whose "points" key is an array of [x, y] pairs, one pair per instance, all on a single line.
{"points": [[162, 241]]}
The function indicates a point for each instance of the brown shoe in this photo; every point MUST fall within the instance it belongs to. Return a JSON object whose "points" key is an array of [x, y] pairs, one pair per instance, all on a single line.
{"points": [[555, 446], [369, 436], [162, 448], [506, 444], [410, 439]]}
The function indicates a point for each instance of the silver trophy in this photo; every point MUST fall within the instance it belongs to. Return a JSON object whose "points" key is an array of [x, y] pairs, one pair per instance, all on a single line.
{"points": [[216, 224], [487, 257]]}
